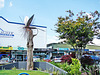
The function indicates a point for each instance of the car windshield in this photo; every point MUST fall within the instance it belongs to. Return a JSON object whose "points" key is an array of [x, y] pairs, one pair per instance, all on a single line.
{"points": [[58, 56]]}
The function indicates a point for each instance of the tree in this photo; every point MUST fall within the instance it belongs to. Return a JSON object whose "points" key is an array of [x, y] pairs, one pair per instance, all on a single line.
{"points": [[78, 31], [30, 36]]}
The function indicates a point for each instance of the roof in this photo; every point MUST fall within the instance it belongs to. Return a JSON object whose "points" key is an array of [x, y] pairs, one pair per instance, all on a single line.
{"points": [[55, 46], [21, 23]]}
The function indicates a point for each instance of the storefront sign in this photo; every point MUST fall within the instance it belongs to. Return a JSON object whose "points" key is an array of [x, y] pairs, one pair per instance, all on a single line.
{"points": [[20, 48], [6, 34], [6, 48], [63, 49]]}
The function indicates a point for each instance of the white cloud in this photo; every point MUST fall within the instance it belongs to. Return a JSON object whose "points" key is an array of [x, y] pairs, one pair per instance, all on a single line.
{"points": [[51, 39], [89, 15], [10, 4], [1, 4]]}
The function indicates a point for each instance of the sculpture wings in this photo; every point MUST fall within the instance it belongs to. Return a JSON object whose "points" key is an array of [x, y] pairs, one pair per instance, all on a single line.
{"points": [[29, 23]]}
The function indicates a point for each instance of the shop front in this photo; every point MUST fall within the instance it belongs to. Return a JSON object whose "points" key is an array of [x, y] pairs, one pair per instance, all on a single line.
{"points": [[5, 52], [19, 53]]}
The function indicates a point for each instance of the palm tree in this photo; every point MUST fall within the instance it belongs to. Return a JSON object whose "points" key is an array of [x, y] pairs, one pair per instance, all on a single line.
{"points": [[30, 36]]}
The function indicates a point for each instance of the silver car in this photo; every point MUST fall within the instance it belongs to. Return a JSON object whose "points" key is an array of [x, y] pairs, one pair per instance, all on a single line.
{"points": [[57, 59], [36, 58]]}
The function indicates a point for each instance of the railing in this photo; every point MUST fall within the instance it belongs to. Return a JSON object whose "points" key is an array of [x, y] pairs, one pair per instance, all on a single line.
{"points": [[49, 67]]}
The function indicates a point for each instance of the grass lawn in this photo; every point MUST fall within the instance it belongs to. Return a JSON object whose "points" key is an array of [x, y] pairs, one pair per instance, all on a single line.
{"points": [[16, 72]]}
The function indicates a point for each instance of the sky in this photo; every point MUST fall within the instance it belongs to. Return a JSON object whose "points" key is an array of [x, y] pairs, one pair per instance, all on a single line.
{"points": [[46, 12]]}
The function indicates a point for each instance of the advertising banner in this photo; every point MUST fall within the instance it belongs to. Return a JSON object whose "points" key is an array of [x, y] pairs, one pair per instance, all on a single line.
{"points": [[6, 48]]}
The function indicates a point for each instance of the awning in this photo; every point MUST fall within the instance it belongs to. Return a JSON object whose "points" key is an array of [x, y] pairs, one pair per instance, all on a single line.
{"points": [[97, 50], [76, 50]]}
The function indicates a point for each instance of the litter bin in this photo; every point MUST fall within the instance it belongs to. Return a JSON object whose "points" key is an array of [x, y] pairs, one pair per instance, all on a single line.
{"points": [[23, 74]]}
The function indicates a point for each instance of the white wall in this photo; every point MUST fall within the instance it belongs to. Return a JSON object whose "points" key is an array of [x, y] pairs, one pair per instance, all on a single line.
{"points": [[18, 39]]}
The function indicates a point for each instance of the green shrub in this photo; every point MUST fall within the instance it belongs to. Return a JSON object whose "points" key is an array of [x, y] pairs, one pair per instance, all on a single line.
{"points": [[75, 66], [72, 69], [56, 64]]}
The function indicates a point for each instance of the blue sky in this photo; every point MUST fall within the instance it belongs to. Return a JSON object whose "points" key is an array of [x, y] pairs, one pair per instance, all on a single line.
{"points": [[46, 11]]}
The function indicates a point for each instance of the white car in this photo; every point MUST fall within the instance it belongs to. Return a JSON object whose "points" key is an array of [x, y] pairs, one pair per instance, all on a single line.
{"points": [[4, 61], [36, 58], [57, 59]]}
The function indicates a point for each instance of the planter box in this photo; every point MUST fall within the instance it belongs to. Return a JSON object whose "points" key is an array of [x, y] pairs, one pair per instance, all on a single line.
{"points": [[44, 66]]}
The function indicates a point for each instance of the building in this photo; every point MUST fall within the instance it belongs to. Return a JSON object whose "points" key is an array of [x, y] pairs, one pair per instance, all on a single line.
{"points": [[12, 40]]}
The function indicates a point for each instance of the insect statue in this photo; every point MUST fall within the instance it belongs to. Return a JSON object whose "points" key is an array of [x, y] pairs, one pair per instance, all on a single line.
{"points": [[29, 34]]}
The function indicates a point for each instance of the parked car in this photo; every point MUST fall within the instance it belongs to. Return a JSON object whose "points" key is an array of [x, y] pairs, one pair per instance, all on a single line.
{"points": [[47, 59], [5, 61], [36, 58], [96, 58], [52, 58], [57, 59]]}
